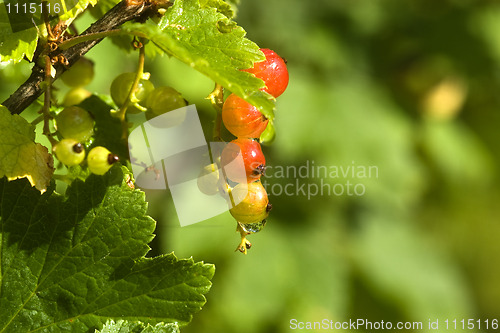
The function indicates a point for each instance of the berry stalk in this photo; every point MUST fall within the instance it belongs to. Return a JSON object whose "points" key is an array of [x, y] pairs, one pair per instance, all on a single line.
{"points": [[216, 97], [138, 76], [46, 101]]}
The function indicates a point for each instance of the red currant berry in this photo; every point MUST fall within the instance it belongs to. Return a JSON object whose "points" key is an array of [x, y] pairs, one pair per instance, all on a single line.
{"points": [[242, 119], [272, 71], [252, 203], [252, 156]]}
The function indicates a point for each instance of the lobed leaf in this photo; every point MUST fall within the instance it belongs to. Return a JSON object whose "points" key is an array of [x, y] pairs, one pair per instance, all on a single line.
{"points": [[70, 263], [20, 156]]}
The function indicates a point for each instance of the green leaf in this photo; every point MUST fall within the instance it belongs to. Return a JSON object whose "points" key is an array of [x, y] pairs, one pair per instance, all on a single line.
{"points": [[123, 326], [20, 156], [221, 6], [19, 29], [208, 41], [15, 45], [70, 263]]}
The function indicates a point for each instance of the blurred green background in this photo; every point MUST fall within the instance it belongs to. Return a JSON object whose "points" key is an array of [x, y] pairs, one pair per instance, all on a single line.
{"points": [[409, 87]]}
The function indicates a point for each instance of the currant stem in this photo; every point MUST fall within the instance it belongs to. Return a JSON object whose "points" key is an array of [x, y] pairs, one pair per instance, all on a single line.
{"points": [[46, 101], [64, 178], [244, 244], [138, 76], [84, 38], [216, 97], [98, 35]]}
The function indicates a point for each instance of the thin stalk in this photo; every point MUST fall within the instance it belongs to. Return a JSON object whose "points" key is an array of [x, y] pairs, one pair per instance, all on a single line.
{"points": [[92, 36], [46, 101], [123, 109], [138, 76], [216, 97]]}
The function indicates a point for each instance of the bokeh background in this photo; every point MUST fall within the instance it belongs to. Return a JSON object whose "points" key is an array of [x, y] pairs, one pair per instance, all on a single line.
{"points": [[410, 87]]}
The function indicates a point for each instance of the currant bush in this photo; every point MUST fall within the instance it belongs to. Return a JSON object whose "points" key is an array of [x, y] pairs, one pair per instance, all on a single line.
{"points": [[242, 119], [70, 152], [75, 123]]}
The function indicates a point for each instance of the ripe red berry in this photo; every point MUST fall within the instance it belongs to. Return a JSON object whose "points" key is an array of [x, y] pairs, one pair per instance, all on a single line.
{"points": [[252, 156], [242, 119], [272, 71], [252, 204]]}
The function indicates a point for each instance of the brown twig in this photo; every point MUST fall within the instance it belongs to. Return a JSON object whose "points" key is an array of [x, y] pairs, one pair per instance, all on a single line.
{"points": [[30, 90]]}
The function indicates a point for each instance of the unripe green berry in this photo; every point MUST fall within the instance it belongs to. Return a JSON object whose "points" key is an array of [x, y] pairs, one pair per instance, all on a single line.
{"points": [[75, 123], [70, 152], [164, 99], [120, 88], [80, 74], [100, 160], [76, 96], [208, 180]]}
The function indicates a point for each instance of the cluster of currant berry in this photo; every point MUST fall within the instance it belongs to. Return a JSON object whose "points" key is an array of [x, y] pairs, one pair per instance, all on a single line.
{"points": [[76, 126], [250, 126], [134, 93]]}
